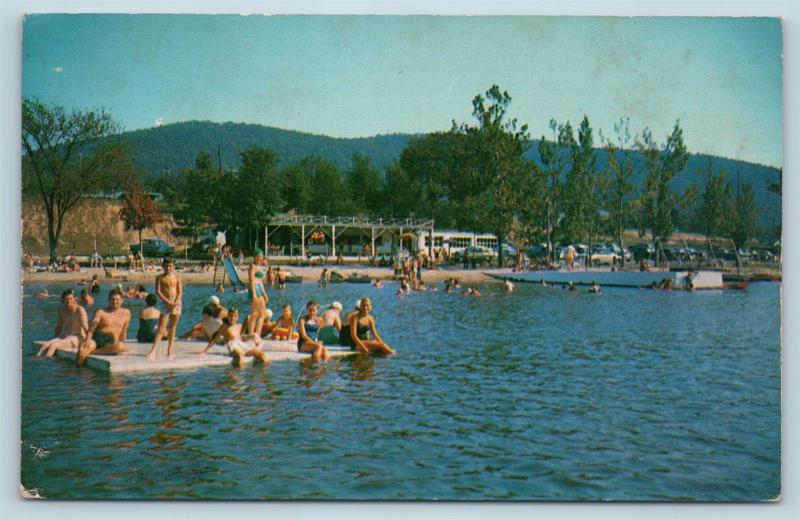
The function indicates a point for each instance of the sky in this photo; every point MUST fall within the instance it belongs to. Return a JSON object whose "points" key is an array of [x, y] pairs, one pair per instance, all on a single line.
{"points": [[356, 76]]}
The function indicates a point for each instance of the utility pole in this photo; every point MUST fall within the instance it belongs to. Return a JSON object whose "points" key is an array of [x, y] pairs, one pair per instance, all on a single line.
{"points": [[219, 158]]}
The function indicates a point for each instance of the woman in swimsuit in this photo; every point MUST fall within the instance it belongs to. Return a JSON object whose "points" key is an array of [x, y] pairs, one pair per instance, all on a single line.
{"points": [[258, 295], [363, 333], [148, 320], [308, 326]]}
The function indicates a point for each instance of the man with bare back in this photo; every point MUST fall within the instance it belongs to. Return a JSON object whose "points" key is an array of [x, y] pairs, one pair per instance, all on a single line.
{"points": [[169, 290], [71, 327], [108, 330]]}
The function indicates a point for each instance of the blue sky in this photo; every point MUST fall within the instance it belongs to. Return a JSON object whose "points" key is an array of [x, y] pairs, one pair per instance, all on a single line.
{"points": [[350, 76]]}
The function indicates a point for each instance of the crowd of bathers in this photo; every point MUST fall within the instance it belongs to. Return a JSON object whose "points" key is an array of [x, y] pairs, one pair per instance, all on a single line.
{"points": [[107, 332]]}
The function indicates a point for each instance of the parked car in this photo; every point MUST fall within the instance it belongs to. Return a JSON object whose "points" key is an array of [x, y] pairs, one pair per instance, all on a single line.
{"points": [[153, 247], [605, 254], [203, 247], [479, 253]]}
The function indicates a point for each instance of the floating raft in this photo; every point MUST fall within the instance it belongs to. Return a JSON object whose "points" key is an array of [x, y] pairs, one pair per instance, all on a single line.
{"points": [[700, 279], [186, 356]]}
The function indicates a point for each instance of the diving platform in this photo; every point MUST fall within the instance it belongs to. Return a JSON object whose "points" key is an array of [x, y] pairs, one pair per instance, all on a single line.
{"points": [[699, 279], [186, 356]]}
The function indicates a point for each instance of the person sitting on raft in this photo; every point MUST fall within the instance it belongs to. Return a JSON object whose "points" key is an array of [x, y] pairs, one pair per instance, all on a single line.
{"points": [[285, 325], [268, 326], [108, 330], [258, 294], [210, 322], [331, 324], [308, 327], [363, 334], [148, 320], [231, 333], [71, 326]]}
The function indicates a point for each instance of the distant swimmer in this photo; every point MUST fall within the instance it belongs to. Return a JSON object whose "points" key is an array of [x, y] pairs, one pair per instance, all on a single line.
{"points": [[169, 289], [331, 324], [220, 288], [324, 277], [71, 326], [148, 320], [363, 333], [595, 289], [86, 298], [378, 284], [308, 327], [281, 277], [572, 286], [542, 283], [509, 287], [42, 294], [258, 294], [108, 330], [231, 333]]}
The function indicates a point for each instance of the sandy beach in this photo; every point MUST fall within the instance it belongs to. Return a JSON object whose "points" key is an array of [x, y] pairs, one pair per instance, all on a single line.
{"points": [[309, 274]]}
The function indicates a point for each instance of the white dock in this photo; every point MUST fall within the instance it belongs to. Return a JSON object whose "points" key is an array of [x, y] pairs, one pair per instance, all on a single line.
{"points": [[186, 356], [700, 279]]}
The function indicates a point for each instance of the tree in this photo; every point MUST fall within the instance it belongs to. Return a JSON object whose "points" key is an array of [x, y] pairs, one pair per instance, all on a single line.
{"points": [[364, 183], [256, 193], [296, 189], [398, 192], [203, 197], [494, 176], [581, 187], [549, 175], [63, 159], [746, 215], [662, 163], [621, 168], [716, 204], [138, 211], [330, 195]]}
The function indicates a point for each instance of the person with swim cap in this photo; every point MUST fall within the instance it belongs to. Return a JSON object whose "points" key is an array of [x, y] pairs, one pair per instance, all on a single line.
{"points": [[331, 324], [258, 294], [210, 322], [269, 325], [71, 326]]}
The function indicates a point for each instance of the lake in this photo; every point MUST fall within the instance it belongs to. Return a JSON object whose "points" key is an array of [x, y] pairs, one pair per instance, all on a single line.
{"points": [[540, 394]]}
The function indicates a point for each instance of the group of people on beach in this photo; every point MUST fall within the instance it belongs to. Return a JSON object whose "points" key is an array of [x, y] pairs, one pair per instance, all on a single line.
{"points": [[108, 329]]}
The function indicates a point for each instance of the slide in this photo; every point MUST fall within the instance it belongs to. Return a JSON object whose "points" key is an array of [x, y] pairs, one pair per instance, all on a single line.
{"points": [[230, 269]]}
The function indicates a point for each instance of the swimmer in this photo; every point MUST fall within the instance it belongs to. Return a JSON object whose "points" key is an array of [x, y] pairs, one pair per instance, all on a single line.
{"points": [[169, 289], [594, 289], [108, 330], [231, 333], [71, 326], [378, 284], [86, 298], [509, 287], [308, 327], [220, 288], [42, 294], [543, 283], [364, 334], [572, 286]]}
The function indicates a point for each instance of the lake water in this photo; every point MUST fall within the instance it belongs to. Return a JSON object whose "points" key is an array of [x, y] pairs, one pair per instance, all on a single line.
{"points": [[541, 394]]}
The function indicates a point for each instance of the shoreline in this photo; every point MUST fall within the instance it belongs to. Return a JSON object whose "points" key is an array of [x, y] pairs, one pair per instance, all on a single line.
{"points": [[309, 274]]}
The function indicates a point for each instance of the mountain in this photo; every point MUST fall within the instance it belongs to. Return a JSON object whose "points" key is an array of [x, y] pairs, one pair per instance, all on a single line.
{"points": [[174, 147]]}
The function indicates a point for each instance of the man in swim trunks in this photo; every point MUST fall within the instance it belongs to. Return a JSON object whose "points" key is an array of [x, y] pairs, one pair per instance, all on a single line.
{"points": [[71, 326], [258, 294], [231, 333], [108, 330], [169, 290]]}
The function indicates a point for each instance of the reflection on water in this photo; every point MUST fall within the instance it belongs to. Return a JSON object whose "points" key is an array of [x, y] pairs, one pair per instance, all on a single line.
{"points": [[541, 394]]}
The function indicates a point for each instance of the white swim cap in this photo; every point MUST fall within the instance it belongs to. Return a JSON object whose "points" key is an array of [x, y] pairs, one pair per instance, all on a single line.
{"points": [[336, 305], [358, 304], [269, 314], [213, 300]]}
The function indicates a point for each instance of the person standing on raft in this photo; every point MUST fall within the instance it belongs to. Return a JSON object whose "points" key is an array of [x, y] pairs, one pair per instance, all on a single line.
{"points": [[258, 294], [169, 290]]}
